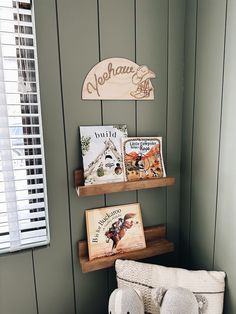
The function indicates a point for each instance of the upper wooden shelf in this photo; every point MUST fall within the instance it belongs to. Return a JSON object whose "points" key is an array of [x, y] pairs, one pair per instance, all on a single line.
{"points": [[98, 189], [156, 244]]}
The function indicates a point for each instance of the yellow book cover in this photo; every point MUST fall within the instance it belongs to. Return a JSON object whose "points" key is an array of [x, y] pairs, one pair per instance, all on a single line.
{"points": [[116, 229]]}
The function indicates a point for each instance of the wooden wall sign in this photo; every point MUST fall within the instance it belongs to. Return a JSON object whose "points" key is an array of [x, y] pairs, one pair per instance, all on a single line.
{"points": [[118, 78]]}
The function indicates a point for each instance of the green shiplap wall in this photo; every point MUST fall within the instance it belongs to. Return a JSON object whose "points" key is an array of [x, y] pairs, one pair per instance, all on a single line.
{"points": [[225, 247], [208, 203], [72, 36]]}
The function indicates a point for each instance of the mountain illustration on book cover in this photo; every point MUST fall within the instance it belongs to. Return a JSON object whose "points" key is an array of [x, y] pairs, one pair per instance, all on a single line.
{"points": [[101, 151], [143, 158]]}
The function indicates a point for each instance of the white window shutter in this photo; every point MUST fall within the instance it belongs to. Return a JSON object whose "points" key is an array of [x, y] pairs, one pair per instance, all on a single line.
{"points": [[23, 194]]}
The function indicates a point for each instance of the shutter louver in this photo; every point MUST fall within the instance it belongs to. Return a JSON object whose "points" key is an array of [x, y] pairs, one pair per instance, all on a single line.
{"points": [[23, 198]]}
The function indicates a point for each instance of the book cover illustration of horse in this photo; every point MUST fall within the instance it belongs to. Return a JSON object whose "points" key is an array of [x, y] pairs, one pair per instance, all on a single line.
{"points": [[101, 152], [116, 229], [142, 158]]}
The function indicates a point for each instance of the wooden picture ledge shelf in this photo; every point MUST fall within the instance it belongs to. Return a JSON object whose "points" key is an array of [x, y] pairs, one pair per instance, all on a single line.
{"points": [[98, 189], [156, 243]]}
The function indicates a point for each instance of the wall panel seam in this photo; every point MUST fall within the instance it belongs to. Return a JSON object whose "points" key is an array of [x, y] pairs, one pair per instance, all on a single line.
{"points": [[220, 132], [167, 102], [102, 118], [99, 49], [35, 282], [135, 60], [192, 144], [66, 156]]}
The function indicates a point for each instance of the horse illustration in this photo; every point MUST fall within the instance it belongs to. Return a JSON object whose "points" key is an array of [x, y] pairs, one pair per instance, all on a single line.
{"points": [[119, 229]]}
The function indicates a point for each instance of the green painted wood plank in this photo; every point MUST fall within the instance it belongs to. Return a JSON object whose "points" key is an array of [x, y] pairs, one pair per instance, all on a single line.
{"points": [[153, 206], [17, 290], [78, 30], [151, 23], [117, 40], [174, 118], [53, 265], [117, 29], [225, 253], [210, 48], [151, 45], [187, 127]]}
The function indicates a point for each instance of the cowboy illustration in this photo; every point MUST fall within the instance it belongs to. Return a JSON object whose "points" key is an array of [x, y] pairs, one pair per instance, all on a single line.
{"points": [[142, 78], [116, 226], [119, 228], [140, 165]]}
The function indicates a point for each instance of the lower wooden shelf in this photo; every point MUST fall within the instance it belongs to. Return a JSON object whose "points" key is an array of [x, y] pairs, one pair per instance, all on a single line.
{"points": [[156, 243]]}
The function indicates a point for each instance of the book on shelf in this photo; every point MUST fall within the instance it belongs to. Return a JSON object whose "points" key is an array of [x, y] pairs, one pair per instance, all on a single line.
{"points": [[113, 230], [142, 158], [101, 152]]}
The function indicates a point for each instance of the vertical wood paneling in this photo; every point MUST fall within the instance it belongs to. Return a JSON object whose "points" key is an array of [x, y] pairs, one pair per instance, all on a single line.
{"points": [[174, 112], [53, 265], [117, 39], [87, 31], [17, 284], [151, 49], [78, 32], [225, 252], [209, 68], [214, 148], [187, 126]]}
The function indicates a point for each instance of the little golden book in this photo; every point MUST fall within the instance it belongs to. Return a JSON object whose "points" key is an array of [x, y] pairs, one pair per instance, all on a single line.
{"points": [[142, 158], [113, 230]]}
